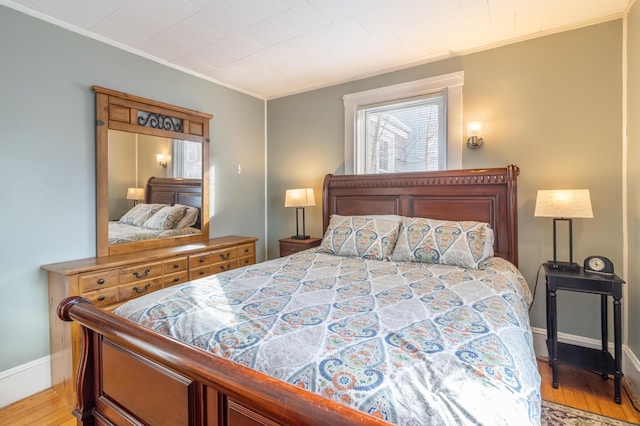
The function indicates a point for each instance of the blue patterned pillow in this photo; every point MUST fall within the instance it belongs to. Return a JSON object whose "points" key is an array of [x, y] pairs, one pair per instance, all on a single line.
{"points": [[139, 214], [360, 237], [166, 218], [445, 242]]}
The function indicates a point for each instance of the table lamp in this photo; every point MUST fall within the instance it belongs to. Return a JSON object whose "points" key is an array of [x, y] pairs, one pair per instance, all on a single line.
{"points": [[565, 205], [135, 194], [299, 198]]}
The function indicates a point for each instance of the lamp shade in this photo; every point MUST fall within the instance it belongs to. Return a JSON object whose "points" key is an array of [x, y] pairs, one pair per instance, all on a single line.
{"points": [[563, 203], [135, 194], [301, 197], [474, 128]]}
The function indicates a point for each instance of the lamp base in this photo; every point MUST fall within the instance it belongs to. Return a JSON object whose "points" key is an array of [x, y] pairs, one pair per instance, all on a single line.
{"points": [[300, 237], [563, 266]]}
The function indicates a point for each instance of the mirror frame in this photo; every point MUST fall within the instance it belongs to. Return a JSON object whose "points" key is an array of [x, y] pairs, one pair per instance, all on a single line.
{"points": [[119, 111]]}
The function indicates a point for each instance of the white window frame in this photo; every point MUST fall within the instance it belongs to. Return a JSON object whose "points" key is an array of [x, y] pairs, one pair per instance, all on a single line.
{"points": [[452, 82]]}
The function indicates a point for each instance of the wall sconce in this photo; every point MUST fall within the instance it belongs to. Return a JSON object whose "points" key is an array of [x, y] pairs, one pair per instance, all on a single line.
{"points": [[135, 194], [563, 204], [474, 129], [161, 162], [299, 198]]}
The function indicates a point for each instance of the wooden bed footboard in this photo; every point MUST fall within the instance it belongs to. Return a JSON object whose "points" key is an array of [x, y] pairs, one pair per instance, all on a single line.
{"points": [[153, 379]]}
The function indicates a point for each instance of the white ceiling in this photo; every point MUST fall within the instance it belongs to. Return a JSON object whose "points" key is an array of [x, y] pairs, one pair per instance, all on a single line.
{"points": [[271, 48]]}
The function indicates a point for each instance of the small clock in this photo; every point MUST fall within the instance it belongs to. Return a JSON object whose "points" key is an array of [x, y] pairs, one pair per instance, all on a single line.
{"points": [[598, 264]]}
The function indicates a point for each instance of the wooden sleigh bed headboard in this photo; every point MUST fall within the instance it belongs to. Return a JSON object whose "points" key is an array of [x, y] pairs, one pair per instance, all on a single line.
{"points": [[191, 386], [175, 191], [483, 195]]}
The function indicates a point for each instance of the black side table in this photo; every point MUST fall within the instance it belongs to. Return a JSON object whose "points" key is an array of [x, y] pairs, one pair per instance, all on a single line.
{"points": [[592, 359]]}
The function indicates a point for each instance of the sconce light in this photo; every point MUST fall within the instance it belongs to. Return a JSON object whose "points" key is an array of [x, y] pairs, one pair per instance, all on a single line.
{"points": [[135, 194], [299, 198], [161, 162], [474, 129], [563, 204]]}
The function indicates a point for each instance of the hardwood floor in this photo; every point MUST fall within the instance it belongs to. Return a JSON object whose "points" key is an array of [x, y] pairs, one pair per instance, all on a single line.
{"points": [[578, 388], [587, 391]]}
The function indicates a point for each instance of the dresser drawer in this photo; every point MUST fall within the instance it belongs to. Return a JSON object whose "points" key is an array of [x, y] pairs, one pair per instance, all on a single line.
{"points": [[103, 297], [133, 290], [90, 282], [212, 257], [215, 268], [175, 265], [140, 272], [246, 250], [244, 261], [177, 278]]}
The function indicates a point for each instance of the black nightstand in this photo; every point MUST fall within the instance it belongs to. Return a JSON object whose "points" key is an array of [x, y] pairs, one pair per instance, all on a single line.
{"points": [[290, 245], [592, 359]]}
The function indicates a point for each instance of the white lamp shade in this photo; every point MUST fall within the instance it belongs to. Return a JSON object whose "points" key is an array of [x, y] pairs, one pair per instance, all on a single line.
{"points": [[135, 194], [301, 197], [563, 203]]}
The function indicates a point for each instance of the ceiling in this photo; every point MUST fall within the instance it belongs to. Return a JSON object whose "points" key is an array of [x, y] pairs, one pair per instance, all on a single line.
{"points": [[272, 48]]}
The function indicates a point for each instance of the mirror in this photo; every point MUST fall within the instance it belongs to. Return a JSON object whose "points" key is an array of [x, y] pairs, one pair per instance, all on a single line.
{"points": [[134, 158], [149, 153]]}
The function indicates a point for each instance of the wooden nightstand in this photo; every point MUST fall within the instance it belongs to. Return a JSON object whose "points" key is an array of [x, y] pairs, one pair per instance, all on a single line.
{"points": [[592, 359], [289, 245]]}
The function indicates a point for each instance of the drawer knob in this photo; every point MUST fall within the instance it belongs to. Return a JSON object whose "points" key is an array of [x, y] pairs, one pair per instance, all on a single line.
{"points": [[201, 259], [225, 267], [225, 256], [146, 287], [139, 275], [101, 297], [176, 265], [246, 250], [176, 279], [101, 281], [201, 272]]}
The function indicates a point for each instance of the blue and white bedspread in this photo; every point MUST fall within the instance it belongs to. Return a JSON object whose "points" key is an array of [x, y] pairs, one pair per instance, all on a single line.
{"points": [[414, 344]]}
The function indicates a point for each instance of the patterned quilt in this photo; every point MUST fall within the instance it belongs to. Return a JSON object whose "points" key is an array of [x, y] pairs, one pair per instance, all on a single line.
{"points": [[123, 233], [411, 343]]}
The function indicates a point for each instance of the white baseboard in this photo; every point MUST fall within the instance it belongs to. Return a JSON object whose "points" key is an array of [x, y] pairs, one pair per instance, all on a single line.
{"points": [[24, 380], [630, 363]]}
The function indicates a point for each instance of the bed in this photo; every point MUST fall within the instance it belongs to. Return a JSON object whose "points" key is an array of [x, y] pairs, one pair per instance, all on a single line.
{"points": [[171, 208], [406, 342]]}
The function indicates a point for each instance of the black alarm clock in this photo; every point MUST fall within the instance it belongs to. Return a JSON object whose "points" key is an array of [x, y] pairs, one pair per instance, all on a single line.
{"points": [[599, 264]]}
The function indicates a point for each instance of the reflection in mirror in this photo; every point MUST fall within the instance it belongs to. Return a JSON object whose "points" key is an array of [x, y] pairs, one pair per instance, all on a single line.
{"points": [[134, 158]]}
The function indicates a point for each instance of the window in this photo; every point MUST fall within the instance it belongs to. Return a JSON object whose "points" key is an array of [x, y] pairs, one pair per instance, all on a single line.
{"points": [[187, 159], [414, 126]]}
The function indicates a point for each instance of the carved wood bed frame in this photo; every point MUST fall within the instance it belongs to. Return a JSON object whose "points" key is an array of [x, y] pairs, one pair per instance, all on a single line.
{"points": [[131, 375]]}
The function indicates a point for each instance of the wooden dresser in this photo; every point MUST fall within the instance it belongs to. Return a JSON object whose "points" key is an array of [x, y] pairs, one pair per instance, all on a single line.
{"points": [[110, 281]]}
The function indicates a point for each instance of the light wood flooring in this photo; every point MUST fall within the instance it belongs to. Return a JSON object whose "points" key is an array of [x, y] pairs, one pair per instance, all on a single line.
{"points": [[578, 388]]}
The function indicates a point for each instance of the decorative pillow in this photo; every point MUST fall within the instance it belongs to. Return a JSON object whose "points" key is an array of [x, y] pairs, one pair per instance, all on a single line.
{"points": [[445, 242], [166, 218], [190, 216], [360, 236], [138, 215]]}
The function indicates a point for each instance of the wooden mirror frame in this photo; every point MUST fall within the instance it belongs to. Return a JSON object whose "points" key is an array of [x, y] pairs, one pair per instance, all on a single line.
{"points": [[119, 111]]}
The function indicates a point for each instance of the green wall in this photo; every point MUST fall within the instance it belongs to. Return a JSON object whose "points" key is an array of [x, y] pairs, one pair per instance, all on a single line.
{"points": [[552, 106], [48, 162]]}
